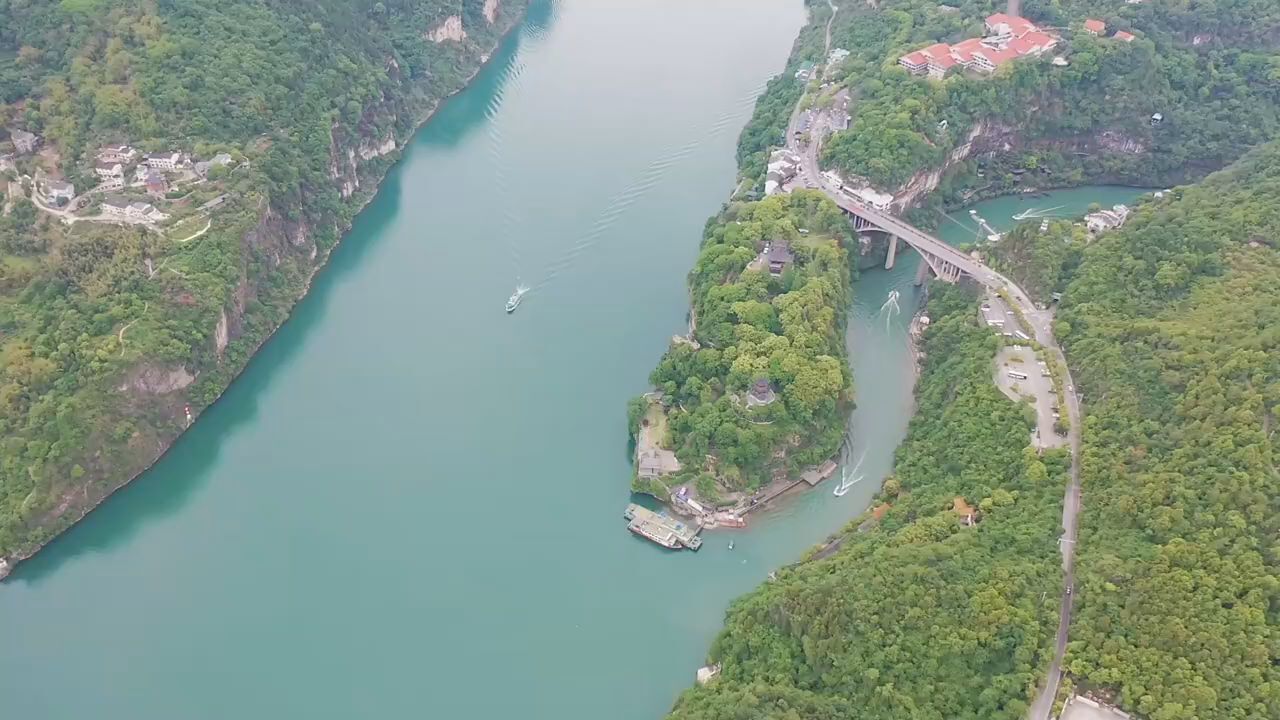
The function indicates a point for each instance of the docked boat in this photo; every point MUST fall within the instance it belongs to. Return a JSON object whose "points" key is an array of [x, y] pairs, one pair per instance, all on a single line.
{"points": [[662, 529]]}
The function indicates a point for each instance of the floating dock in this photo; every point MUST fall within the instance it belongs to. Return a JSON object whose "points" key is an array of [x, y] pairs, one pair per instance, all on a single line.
{"points": [[662, 528]]}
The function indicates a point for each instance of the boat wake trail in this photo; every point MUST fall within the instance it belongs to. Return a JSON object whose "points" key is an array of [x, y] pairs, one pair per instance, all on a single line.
{"points": [[649, 178], [890, 308], [501, 186], [1038, 214]]}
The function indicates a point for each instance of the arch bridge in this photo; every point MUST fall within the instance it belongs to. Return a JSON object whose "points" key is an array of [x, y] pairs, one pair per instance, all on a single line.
{"points": [[946, 262]]}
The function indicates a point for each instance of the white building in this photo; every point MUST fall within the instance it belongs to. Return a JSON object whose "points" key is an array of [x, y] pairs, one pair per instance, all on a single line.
{"points": [[115, 205], [117, 154], [109, 170], [1107, 219], [59, 190], [145, 211], [121, 207], [220, 160], [877, 200], [165, 161]]}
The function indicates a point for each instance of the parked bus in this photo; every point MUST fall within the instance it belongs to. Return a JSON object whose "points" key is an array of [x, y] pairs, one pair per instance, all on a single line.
{"points": [[1017, 375]]}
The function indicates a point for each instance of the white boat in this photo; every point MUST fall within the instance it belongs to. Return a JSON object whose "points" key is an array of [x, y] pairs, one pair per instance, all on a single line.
{"points": [[845, 481], [513, 302], [844, 486]]}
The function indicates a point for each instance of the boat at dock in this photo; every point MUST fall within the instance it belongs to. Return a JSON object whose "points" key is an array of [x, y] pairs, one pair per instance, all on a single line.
{"points": [[661, 528]]}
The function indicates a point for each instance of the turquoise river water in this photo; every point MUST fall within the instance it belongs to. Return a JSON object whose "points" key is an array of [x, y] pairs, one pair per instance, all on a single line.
{"points": [[410, 504]]}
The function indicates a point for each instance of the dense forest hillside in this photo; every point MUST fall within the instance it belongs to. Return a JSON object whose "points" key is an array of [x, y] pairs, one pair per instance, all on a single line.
{"points": [[172, 174], [1172, 326]]}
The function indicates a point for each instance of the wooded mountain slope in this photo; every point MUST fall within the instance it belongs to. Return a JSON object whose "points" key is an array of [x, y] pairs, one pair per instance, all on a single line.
{"points": [[1172, 327], [109, 335]]}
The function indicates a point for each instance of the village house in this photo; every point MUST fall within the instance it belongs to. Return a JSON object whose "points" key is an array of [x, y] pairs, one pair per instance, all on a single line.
{"points": [[146, 211], [781, 168], [114, 205], [165, 161], [156, 184], [837, 56], [805, 72], [109, 170], [1008, 38], [122, 207], [204, 166], [24, 143], [117, 154], [1095, 27], [60, 192], [1123, 36], [1106, 219], [761, 393], [778, 256]]}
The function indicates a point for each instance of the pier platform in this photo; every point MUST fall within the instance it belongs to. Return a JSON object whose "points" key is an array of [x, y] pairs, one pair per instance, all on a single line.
{"points": [[661, 528]]}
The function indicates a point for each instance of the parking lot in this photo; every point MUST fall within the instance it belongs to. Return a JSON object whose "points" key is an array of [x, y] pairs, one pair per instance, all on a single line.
{"points": [[1021, 374]]}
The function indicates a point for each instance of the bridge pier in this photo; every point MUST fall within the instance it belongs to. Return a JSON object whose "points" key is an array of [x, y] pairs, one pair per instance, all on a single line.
{"points": [[922, 272], [893, 252]]}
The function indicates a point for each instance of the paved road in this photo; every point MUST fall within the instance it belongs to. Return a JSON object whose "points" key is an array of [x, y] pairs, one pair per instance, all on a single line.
{"points": [[811, 174]]}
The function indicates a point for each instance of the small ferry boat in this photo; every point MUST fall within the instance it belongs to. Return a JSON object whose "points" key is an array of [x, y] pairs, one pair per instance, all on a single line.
{"points": [[513, 302]]}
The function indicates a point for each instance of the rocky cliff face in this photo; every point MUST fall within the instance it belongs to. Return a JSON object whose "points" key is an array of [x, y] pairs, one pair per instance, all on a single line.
{"points": [[990, 136], [359, 155], [926, 181], [279, 254]]}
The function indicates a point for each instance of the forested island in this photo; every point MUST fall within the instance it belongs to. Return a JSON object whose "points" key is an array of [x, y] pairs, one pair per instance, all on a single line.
{"points": [[173, 174], [1170, 325], [760, 387]]}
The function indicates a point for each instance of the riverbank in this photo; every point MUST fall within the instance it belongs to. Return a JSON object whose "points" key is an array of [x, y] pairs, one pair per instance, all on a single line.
{"points": [[268, 226]]}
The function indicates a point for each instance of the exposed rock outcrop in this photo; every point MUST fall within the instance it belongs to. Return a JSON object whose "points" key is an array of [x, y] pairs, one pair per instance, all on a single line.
{"points": [[157, 380], [491, 11], [221, 333], [926, 181], [450, 29]]}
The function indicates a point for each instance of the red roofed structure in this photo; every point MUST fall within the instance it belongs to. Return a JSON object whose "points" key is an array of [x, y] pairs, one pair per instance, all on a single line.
{"points": [[1008, 37], [1097, 27], [1122, 35]]}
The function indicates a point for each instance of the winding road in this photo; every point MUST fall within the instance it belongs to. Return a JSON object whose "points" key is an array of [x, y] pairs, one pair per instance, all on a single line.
{"points": [[810, 173]]}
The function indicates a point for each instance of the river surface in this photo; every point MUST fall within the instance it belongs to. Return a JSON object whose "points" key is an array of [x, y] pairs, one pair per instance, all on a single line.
{"points": [[410, 503]]}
